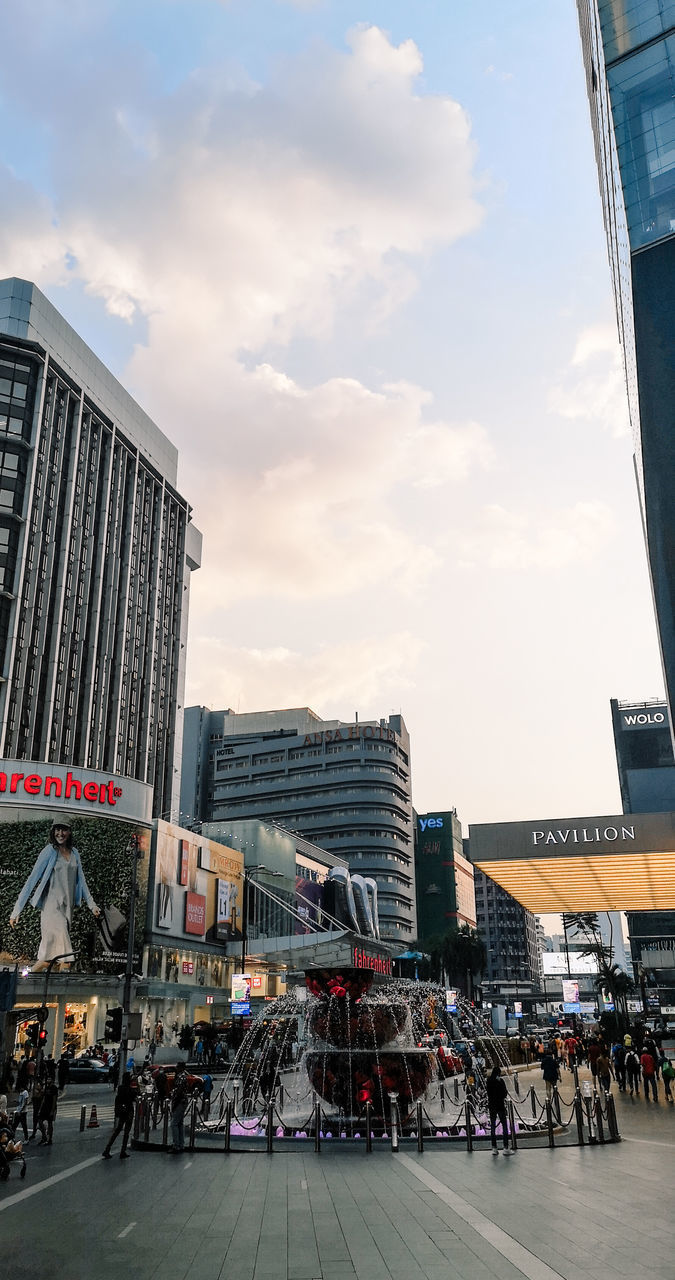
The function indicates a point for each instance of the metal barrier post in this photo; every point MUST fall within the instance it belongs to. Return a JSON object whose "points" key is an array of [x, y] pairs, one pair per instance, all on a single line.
{"points": [[394, 1120], [456, 1084], [165, 1123], [146, 1120], [549, 1122], [611, 1119], [420, 1135], [137, 1120], [533, 1102], [369, 1132], [236, 1086], [598, 1118], [588, 1103], [556, 1105], [512, 1124], [467, 1121], [442, 1093], [317, 1127], [576, 1077], [270, 1127], [579, 1115], [516, 1082], [193, 1126], [228, 1126], [83, 1117]]}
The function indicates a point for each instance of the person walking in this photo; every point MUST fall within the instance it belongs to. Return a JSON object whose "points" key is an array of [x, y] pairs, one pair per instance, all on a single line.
{"points": [[47, 1114], [207, 1090], [619, 1060], [632, 1064], [63, 1071], [36, 1103], [604, 1071], [549, 1071], [668, 1073], [124, 1115], [21, 1112], [161, 1095], [496, 1096], [649, 1074], [179, 1101]]}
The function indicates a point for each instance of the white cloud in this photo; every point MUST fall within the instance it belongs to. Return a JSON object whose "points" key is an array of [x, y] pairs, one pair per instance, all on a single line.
{"points": [[355, 673], [593, 386], [551, 541]]}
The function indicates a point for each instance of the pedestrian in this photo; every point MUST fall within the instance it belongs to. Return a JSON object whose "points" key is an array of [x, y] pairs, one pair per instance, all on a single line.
{"points": [[604, 1071], [549, 1071], [200, 1052], [30, 1071], [207, 1090], [496, 1096], [632, 1064], [124, 1115], [36, 1103], [50, 1067], [668, 1073], [152, 1049], [47, 1114], [649, 1074], [619, 1061], [179, 1101], [63, 1071], [21, 1113], [594, 1051], [161, 1095]]}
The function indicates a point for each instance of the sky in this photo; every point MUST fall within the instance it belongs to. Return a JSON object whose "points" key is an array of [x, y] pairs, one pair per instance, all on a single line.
{"points": [[349, 255]]}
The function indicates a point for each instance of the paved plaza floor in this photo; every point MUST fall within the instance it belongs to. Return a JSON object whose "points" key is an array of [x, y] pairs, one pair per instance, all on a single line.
{"points": [[444, 1214]]}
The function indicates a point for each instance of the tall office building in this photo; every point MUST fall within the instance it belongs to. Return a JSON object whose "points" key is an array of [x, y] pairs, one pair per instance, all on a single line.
{"points": [[644, 757], [344, 786], [629, 54], [96, 550], [443, 876], [509, 933]]}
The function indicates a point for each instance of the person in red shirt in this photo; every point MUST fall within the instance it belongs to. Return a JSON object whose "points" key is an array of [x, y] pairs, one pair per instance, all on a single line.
{"points": [[594, 1051], [649, 1075]]}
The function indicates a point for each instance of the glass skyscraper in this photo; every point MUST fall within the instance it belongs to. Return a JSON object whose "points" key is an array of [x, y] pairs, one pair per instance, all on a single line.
{"points": [[629, 54]]}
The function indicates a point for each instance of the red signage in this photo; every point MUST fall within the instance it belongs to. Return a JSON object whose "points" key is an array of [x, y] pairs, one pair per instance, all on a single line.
{"points": [[195, 913], [188, 966], [256, 982], [49, 784], [184, 862], [364, 960]]}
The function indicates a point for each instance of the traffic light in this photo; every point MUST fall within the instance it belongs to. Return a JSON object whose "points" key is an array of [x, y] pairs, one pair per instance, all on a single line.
{"points": [[113, 1024], [42, 1038]]}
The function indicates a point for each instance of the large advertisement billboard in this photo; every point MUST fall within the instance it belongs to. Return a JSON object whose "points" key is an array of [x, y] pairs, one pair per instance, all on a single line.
{"points": [[198, 893], [65, 884]]}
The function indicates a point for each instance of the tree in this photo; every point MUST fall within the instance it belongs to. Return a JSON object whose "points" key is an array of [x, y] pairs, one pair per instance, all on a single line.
{"points": [[464, 956], [611, 977]]}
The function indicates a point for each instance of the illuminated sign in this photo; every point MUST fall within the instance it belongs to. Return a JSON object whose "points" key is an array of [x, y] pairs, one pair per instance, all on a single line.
{"points": [[643, 719], [241, 987], [570, 991], [23, 782], [365, 960], [430, 822], [240, 1008], [450, 1001], [188, 966]]}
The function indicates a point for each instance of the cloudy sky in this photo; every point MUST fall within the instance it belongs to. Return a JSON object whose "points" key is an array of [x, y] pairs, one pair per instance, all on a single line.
{"points": [[349, 255]]}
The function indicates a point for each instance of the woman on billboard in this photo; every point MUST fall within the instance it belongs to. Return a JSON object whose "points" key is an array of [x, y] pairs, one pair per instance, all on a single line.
{"points": [[57, 884]]}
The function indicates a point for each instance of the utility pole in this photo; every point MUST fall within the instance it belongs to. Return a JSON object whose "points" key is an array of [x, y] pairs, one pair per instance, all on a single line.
{"points": [[135, 853]]}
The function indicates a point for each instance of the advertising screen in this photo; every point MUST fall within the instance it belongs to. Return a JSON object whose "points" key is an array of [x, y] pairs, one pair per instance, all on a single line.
{"points": [[241, 987], [570, 991], [65, 883], [198, 886], [450, 1000]]}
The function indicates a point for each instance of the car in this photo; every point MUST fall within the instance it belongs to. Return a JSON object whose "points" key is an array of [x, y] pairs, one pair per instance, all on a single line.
{"points": [[86, 1070], [195, 1083]]}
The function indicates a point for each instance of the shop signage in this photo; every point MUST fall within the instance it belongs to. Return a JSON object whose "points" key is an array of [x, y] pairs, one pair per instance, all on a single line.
{"points": [[240, 1008], [184, 862], [89, 791], [195, 913], [188, 966], [585, 835], [222, 862], [365, 960], [257, 982], [348, 733], [573, 837], [643, 719], [209, 999]]}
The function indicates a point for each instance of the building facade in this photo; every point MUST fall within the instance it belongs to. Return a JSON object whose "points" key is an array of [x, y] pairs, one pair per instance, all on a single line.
{"points": [[510, 936], [443, 876], [646, 765], [629, 54], [96, 551], [344, 786]]}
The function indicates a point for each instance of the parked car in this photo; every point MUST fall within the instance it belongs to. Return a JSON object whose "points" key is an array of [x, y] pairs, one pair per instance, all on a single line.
{"points": [[87, 1071]]}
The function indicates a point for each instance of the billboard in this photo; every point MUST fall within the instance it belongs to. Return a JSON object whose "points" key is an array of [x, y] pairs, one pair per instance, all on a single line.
{"points": [[570, 991], [555, 964], [198, 886], [65, 884], [86, 792]]}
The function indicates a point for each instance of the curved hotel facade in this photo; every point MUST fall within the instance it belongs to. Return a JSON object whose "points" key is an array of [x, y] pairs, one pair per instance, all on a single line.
{"points": [[344, 786]]}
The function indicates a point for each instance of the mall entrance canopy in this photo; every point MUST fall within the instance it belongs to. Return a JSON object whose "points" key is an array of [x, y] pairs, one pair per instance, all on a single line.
{"points": [[624, 863]]}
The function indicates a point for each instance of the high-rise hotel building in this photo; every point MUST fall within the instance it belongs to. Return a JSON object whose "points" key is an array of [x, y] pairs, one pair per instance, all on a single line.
{"points": [[96, 550], [629, 54], [344, 786]]}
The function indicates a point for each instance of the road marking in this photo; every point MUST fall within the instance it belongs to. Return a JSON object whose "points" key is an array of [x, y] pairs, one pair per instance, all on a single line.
{"points": [[303, 1184], [48, 1182], [649, 1142], [188, 1163], [520, 1257], [126, 1231]]}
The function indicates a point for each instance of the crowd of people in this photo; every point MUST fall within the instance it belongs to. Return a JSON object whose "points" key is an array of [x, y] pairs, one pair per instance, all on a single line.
{"points": [[636, 1059]]}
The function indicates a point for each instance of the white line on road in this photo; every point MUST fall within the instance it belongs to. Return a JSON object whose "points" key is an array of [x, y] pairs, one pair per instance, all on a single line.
{"points": [[520, 1257], [188, 1163], [47, 1182], [126, 1231], [303, 1184]]}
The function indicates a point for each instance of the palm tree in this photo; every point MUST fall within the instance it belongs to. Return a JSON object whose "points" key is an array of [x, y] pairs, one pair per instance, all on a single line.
{"points": [[464, 956]]}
